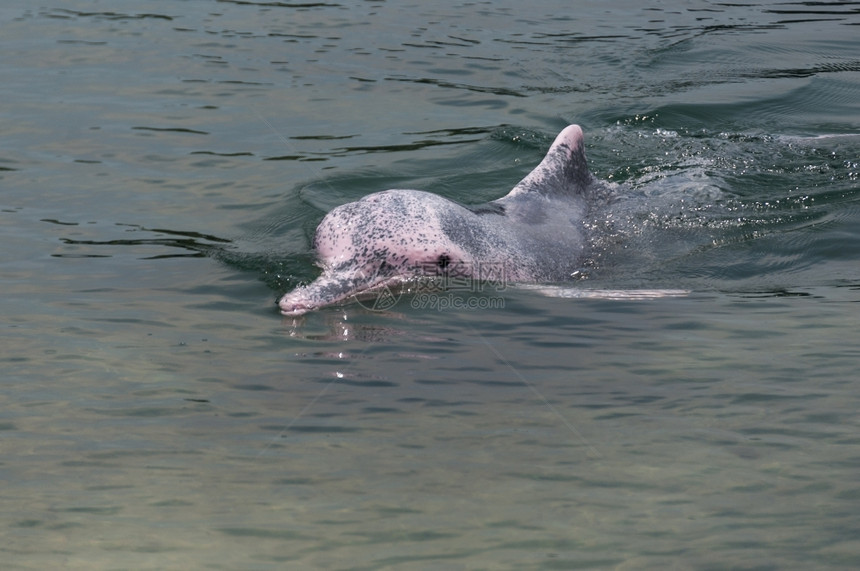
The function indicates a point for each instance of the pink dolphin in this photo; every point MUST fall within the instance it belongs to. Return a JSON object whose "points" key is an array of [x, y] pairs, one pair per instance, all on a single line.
{"points": [[534, 234]]}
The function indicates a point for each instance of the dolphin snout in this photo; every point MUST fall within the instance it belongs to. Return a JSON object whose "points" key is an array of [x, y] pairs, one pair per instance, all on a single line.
{"points": [[290, 305], [323, 291], [333, 289]]}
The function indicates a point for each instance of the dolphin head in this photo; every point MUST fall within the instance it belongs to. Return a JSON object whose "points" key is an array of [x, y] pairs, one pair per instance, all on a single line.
{"points": [[382, 241]]}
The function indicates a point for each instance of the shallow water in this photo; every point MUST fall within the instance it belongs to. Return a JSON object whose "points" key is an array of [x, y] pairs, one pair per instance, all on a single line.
{"points": [[164, 164]]}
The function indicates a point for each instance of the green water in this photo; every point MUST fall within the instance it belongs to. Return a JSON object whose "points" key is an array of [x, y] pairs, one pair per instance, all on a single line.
{"points": [[163, 166]]}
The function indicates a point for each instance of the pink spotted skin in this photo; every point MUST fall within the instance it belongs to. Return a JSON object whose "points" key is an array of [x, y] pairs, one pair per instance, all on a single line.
{"points": [[534, 234]]}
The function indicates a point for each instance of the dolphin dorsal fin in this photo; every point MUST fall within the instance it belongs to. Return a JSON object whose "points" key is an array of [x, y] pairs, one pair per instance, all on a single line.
{"points": [[563, 171]]}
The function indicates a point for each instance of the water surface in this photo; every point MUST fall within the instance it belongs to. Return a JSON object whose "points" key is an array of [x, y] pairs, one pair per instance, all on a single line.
{"points": [[163, 166]]}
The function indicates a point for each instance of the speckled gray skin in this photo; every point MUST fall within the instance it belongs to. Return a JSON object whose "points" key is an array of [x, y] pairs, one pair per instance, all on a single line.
{"points": [[534, 234]]}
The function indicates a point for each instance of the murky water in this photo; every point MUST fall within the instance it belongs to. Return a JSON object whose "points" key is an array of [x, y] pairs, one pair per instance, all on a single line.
{"points": [[163, 165]]}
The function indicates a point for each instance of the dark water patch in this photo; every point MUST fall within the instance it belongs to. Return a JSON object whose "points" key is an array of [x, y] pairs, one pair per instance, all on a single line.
{"points": [[781, 73], [498, 383], [463, 86], [417, 145], [61, 12], [170, 130], [238, 154], [142, 412], [59, 223], [790, 433], [550, 477], [262, 533], [296, 481], [457, 132], [198, 244], [823, 8], [92, 510], [431, 382], [773, 293], [82, 42], [130, 321], [576, 37], [308, 429], [140, 453], [373, 383], [88, 464], [322, 137], [376, 537], [405, 559], [254, 387], [240, 82], [849, 494], [435, 402], [288, 158], [172, 504], [389, 511], [747, 398]]}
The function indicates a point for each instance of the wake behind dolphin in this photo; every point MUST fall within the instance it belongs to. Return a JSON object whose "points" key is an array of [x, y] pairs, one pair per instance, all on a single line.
{"points": [[534, 234]]}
